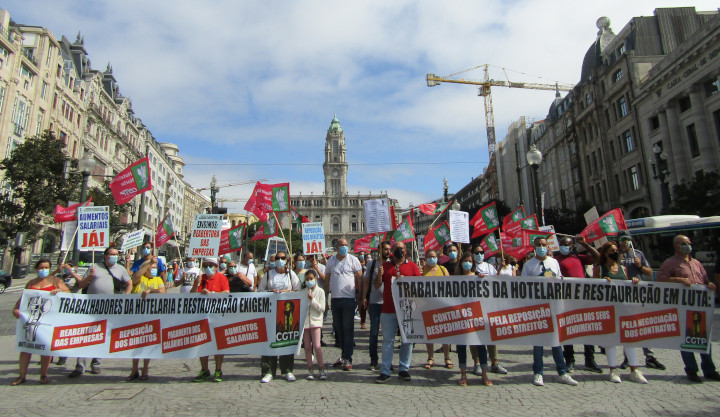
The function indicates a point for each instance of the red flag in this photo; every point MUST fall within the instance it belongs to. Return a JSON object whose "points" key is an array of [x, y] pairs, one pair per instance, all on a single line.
{"points": [[609, 224], [268, 230], [437, 237], [529, 236], [490, 244], [131, 181], [516, 215], [69, 213], [432, 209], [405, 232], [376, 239], [164, 231], [514, 229], [393, 221], [485, 220], [362, 244], [266, 198], [231, 240]]}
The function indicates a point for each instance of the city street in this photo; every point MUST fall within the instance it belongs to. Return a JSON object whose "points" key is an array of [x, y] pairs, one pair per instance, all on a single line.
{"points": [[169, 391]]}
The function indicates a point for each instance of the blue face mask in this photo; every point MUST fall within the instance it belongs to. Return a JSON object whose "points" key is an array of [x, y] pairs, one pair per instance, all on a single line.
{"points": [[540, 252], [42, 273], [565, 250], [232, 270], [300, 264], [223, 266], [271, 265], [209, 270], [191, 264], [250, 261], [310, 284], [112, 259], [479, 258], [146, 251], [467, 265], [280, 264], [452, 255], [153, 272], [343, 250], [432, 261]]}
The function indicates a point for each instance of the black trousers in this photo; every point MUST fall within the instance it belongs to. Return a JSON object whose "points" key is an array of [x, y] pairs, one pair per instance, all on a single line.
{"points": [[569, 353]]}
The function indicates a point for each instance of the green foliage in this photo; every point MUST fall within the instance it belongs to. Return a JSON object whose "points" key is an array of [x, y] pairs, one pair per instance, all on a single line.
{"points": [[35, 174], [699, 196]]}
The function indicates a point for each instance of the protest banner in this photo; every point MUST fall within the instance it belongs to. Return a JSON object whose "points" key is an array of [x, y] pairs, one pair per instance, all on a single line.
{"points": [[362, 244], [133, 239], [421, 244], [459, 226], [93, 228], [377, 216], [437, 237], [163, 326], [313, 236], [231, 240], [205, 236], [535, 311], [275, 245], [133, 180]]}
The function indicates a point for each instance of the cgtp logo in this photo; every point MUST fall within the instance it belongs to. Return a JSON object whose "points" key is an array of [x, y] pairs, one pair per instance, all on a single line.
{"points": [[128, 191], [695, 331], [287, 323], [37, 306]]}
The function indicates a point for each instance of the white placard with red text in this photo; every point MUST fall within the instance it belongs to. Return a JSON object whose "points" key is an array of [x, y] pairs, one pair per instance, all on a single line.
{"points": [[93, 228], [205, 236], [551, 312]]}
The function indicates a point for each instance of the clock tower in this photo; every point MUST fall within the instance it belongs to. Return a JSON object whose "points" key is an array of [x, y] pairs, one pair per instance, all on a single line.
{"points": [[335, 166]]}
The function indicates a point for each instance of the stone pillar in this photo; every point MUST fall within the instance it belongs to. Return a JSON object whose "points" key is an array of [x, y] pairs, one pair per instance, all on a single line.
{"points": [[678, 154], [702, 128]]}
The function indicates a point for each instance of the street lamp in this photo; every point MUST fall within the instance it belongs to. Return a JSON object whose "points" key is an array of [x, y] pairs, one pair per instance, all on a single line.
{"points": [[445, 190], [455, 206], [534, 158], [86, 166], [213, 192], [660, 172]]}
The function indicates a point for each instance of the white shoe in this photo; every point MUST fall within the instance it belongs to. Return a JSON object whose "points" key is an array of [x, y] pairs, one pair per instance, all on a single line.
{"points": [[567, 379], [290, 377], [615, 376], [267, 378], [477, 369], [311, 376], [637, 376], [538, 380]]}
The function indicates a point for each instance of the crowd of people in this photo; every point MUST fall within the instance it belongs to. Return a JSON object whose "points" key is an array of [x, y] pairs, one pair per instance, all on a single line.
{"points": [[354, 287]]}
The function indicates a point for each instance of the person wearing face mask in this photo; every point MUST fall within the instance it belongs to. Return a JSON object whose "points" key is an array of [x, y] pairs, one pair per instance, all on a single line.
{"points": [[269, 265], [300, 266], [145, 281], [313, 324], [573, 264], [397, 266], [187, 276], [210, 282], [452, 257], [544, 266], [106, 277], [311, 262], [375, 301], [508, 266], [684, 269], [247, 267], [237, 281], [608, 267], [147, 253], [222, 265], [280, 279], [432, 269], [44, 282], [343, 273]]}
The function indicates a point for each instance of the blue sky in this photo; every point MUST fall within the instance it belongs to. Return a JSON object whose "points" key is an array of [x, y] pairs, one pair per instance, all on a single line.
{"points": [[259, 82]]}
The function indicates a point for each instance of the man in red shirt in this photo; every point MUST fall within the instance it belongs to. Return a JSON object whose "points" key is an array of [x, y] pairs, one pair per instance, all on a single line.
{"points": [[572, 265], [211, 281], [397, 266]]}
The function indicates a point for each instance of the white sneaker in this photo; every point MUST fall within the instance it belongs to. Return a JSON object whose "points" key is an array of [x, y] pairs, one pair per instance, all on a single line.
{"points": [[637, 376], [615, 376], [477, 369], [538, 380], [567, 379], [311, 376], [290, 377], [267, 378]]}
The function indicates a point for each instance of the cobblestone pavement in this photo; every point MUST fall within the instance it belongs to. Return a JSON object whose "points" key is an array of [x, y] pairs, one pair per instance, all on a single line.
{"points": [[434, 392]]}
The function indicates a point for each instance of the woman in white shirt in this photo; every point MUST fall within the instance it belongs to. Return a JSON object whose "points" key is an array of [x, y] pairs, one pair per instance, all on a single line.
{"points": [[313, 324]]}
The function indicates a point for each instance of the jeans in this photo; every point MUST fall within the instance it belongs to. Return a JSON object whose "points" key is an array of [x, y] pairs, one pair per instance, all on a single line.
{"points": [[569, 353], [706, 362], [557, 353], [390, 326], [375, 310], [482, 355], [343, 311]]}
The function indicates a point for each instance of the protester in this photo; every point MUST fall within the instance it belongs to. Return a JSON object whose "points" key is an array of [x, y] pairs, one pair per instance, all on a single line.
{"points": [[483, 269], [280, 279], [147, 252], [211, 281], [375, 301], [222, 264], [609, 268], [313, 324], [237, 281], [452, 255], [44, 282], [432, 269], [343, 274], [573, 264], [544, 266], [145, 281], [270, 264], [186, 277], [312, 263], [361, 312], [468, 266], [247, 267], [508, 266], [637, 266], [684, 269], [398, 266], [300, 268]]}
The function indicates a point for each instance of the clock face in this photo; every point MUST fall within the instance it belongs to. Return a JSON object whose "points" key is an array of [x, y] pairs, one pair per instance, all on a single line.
{"points": [[335, 173]]}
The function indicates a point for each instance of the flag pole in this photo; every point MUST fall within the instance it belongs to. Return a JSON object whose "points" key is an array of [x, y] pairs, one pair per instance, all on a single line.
{"points": [[291, 258], [279, 226], [70, 245]]}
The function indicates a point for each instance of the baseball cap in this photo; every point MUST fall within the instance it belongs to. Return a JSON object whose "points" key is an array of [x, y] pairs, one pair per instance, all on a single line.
{"points": [[624, 234], [213, 261]]}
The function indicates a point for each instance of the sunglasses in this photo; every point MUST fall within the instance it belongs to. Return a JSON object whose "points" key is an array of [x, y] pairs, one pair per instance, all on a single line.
{"points": [[478, 253], [282, 258]]}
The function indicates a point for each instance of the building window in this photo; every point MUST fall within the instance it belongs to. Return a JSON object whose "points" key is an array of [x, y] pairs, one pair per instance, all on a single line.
{"points": [[622, 49], [588, 99], [622, 108], [685, 104], [712, 87], [654, 123], [336, 225], [716, 118], [617, 76], [2, 97], [40, 117], [634, 177], [628, 141], [693, 141], [353, 227]]}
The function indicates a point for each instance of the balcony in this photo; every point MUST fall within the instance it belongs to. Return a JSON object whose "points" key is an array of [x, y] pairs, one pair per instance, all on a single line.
{"points": [[28, 53], [7, 38]]}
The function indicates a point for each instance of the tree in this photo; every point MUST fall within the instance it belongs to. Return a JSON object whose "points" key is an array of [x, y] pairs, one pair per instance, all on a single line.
{"points": [[699, 196], [102, 196], [35, 172]]}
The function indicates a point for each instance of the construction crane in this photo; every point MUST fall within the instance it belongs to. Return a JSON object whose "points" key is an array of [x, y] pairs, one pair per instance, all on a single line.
{"points": [[220, 201], [484, 91], [214, 187]]}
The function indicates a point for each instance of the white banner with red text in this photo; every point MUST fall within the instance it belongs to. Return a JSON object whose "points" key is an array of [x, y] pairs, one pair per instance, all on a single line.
{"points": [[161, 325], [469, 310]]}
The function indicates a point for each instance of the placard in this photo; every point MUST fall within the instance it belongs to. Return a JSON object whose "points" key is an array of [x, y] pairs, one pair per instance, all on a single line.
{"points": [[552, 240], [313, 236], [205, 237], [133, 239], [459, 226], [377, 216], [93, 228]]}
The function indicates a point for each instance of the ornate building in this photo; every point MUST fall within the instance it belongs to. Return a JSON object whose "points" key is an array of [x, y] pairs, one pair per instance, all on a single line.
{"points": [[340, 213]]}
